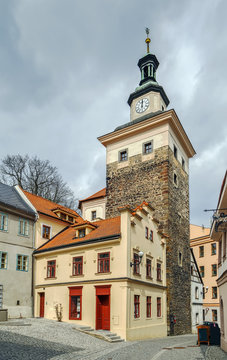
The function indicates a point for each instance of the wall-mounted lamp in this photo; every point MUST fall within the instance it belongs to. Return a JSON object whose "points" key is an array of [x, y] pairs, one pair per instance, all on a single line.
{"points": [[140, 259]]}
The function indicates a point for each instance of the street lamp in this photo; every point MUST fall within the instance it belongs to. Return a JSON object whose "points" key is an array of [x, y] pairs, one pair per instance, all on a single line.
{"points": [[140, 259]]}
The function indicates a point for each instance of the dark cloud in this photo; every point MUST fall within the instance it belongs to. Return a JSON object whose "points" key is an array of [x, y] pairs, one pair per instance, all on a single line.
{"points": [[67, 69]]}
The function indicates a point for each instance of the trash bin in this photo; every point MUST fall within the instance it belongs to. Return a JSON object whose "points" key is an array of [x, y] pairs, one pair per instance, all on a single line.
{"points": [[214, 333]]}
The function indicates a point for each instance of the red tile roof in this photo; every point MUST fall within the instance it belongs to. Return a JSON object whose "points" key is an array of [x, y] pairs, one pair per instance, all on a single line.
{"points": [[104, 229], [98, 194], [47, 207]]}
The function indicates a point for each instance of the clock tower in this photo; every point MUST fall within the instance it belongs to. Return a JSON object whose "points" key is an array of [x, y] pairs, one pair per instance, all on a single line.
{"points": [[147, 159], [149, 96]]}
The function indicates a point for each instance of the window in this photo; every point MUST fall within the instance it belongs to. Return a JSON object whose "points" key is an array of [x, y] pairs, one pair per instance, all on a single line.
{"points": [[70, 218], [148, 148], [3, 222], [214, 269], [93, 215], [46, 232], [75, 303], [3, 260], [204, 315], [159, 269], [23, 227], [202, 271], [51, 268], [151, 235], [63, 216], [148, 268], [123, 155], [201, 251], [180, 258], [159, 307], [175, 180], [213, 249], [148, 306], [214, 292], [192, 270], [146, 232], [78, 265], [136, 267], [175, 151], [196, 292], [136, 306], [104, 262], [214, 315], [183, 163], [197, 318], [81, 233], [22, 263]]}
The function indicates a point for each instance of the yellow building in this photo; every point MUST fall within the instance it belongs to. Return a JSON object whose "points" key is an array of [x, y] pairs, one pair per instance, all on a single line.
{"points": [[93, 270], [205, 252], [219, 233]]}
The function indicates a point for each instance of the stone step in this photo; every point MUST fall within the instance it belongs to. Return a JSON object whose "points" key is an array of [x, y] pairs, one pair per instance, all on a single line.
{"points": [[101, 334]]}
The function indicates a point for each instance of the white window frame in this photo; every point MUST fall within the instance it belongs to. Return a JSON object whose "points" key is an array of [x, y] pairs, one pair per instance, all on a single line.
{"points": [[3, 223], [25, 232]]}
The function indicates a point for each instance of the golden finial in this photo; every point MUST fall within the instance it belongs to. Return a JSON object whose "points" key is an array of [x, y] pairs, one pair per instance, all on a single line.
{"points": [[148, 40]]}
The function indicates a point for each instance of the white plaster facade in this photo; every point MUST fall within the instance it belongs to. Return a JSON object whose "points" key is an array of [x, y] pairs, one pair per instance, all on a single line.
{"points": [[196, 295]]}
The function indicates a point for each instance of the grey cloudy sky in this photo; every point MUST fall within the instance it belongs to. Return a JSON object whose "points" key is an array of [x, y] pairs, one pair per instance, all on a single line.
{"points": [[67, 68]]}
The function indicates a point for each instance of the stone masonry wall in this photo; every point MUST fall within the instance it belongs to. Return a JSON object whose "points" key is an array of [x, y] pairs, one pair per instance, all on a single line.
{"points": [[153, 182]]}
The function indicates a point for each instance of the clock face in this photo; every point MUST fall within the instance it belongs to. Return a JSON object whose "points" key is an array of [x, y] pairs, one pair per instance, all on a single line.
{"points": [[142, 105]]}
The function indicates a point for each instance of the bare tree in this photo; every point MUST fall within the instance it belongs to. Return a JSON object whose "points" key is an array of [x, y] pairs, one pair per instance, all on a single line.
{"points": [[38, 177]]}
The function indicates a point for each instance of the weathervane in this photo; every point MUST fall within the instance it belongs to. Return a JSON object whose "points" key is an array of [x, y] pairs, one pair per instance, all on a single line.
{"points": [[148, 40]]}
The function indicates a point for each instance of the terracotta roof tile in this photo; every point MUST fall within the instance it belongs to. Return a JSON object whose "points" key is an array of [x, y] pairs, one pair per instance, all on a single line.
{"points": [[46, 206], [98, 194], [105, 228]]}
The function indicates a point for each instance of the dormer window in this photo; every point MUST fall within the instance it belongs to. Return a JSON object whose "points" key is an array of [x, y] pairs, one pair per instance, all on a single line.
{"points": [[93, 215], [63, 216], [70, 218], [81, 233]]}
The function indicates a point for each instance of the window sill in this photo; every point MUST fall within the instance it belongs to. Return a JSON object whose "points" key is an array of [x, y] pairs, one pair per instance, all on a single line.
{"points": [[27, 236], [50, 278], [5, 231], [159, 280], [75, 276], [135, 274], [136, 319], [149, 277], [101, 273]]}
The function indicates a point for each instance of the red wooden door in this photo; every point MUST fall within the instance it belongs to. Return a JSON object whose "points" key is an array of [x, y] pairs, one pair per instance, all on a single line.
{"points": [[42, 302], [103, 312]]}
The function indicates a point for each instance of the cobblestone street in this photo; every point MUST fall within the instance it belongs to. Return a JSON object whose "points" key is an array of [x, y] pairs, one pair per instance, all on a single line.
{"points": [[46, 339]]}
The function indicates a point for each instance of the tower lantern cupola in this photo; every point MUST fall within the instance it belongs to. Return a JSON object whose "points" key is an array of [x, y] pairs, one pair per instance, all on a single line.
{"points": [[149, 96], [148, 64]]}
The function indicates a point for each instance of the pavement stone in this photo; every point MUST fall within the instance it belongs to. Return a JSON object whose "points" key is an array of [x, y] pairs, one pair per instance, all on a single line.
{"points": [[42, 339]]}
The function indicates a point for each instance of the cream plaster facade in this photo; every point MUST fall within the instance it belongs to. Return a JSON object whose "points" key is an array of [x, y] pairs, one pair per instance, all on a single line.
{"points": [[121, 280], [156, 103], [164, 129], [206, 256], [98, 205]]}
